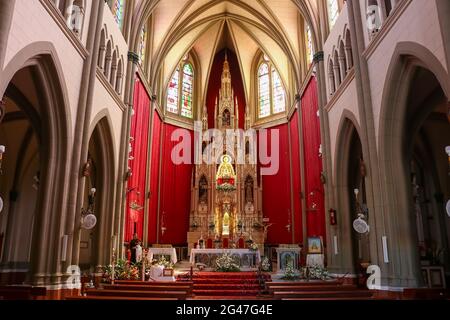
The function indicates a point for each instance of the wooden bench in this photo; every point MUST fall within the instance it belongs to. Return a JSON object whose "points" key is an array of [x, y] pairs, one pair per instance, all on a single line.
{"points": [[153, 283], [426, 293], [351, 294], [118, 298], [20, 292], [134, 287], [312, 288], [181, 295]]}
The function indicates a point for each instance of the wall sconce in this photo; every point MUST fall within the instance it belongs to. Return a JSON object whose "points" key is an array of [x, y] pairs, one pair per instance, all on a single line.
{"points": [[447, 151], [320, 151], [2, 151], [37, 181], [88, 219]]}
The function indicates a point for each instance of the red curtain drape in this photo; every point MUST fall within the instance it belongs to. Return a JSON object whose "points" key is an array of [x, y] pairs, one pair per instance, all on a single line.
{"points": [[313, 162], [296, 178], [215, 83], [154, 177], [276, 200], [138, 162], [176, 183]]}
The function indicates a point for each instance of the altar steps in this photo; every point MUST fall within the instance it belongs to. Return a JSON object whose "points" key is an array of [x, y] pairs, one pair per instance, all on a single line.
{"points": [[320, 295], [317, 290], [226, 284]]}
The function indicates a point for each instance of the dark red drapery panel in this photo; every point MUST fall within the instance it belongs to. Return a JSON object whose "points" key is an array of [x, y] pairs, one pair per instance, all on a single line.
{"points": [[215, 83], [154, 177], [138, 161], [296, 178], [276, 200], [175, 192], [313, 162]]}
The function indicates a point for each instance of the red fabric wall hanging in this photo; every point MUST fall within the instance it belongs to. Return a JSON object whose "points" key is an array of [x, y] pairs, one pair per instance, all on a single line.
{"points": [[154, 177], [314, 192], [296, 178], [276, 200], [138, 162], [175, 192]]}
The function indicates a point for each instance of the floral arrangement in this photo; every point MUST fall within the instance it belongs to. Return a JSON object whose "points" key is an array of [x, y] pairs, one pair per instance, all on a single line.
{"points": [[226, 187], [253, 247], [289, 272], [163, 262], [123, 270], [225, 263], [266, 266], [315, 273]]}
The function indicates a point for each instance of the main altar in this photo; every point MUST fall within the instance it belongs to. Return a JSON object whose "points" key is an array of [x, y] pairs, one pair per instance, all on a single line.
{"points": [[226, 196]]}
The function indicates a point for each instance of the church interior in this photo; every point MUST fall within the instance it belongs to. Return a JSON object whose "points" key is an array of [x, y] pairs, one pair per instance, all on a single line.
{"points": [[224, 149]]}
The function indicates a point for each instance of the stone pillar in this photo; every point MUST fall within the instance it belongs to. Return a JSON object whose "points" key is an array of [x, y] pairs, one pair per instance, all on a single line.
{"points": [[107, 70], [337, 76], [6, 14], [349, 57], [101, 57], [113, 75], [343, 67]]}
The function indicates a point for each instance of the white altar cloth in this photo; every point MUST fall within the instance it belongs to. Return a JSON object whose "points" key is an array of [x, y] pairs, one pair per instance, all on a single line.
{"points": [[240, 252], [162, 251], [315, 260]]}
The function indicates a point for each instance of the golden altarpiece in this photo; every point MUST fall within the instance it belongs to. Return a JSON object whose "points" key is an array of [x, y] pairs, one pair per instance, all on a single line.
{"points": [[226, 199]]}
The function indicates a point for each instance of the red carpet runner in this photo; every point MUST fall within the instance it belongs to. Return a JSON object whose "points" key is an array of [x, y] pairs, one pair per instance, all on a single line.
{"points": [[227, 284]]}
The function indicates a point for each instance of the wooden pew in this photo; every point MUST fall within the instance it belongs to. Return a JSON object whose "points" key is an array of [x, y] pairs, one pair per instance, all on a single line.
{"points": [[118, 298], [154, 283], [312, 288], [134, 287], [181, 295], [20, 292]]}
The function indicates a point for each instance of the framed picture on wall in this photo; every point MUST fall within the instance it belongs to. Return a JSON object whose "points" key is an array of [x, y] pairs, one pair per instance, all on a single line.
{"points": [[314, 245]]}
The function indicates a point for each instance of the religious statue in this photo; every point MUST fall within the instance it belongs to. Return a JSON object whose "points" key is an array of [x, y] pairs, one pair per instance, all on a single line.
{"points": [[225, 174], [226, 119], [203, 190], [249, 190]]}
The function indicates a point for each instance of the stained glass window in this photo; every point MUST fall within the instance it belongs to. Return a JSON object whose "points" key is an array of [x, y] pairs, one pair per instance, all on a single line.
{"points": [[117, 7], [279, 96], [142, 45], [264, 90], [333, 12], [309, 44], [187, 91], [271, 93], [172, 92]]}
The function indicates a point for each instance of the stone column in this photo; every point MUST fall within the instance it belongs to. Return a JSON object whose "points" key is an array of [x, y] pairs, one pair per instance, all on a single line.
{"points": [[343, 67], [337, 76], [101, 57], [6, 14], [349, 57]]}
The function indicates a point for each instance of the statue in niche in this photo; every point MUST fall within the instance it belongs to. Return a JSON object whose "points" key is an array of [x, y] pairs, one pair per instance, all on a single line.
{"points": [[226, 119], [249, 190], [203, 190]]}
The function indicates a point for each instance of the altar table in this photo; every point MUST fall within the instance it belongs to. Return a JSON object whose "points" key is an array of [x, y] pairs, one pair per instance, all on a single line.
{"points": [[154, 252], [244, 258]]}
